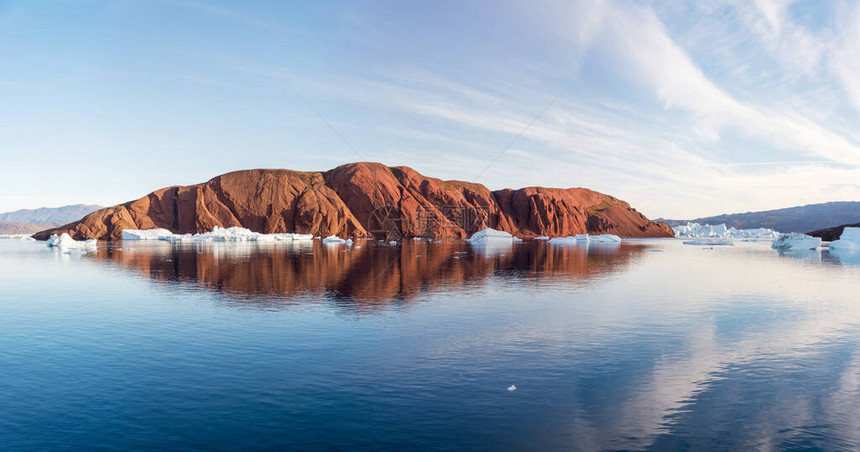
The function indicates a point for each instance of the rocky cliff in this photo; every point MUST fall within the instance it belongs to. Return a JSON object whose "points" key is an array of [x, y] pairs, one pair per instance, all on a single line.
{"points": [[832, 234], [365, 199]]}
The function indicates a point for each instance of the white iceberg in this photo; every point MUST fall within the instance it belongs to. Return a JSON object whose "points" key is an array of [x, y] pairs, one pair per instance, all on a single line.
{"points": [[605, 238], [849, 240], [543, 237], [66, 242], [696, 230], [709, 242], [145, 234], [796, 241], [333, 239], [490, 236], [217, 234], [584, 239]]}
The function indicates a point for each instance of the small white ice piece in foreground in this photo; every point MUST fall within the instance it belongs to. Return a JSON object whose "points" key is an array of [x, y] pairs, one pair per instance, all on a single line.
{"points": [[490, 236], [512, 388], [333, 239]]}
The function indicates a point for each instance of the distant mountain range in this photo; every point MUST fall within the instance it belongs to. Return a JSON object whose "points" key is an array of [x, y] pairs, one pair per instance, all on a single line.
{"points": [[29, 221], [807, 218], [64, 214], [9, 227]]}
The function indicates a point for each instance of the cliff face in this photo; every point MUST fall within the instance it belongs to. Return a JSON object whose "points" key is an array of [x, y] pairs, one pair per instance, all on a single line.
{"points": [[365, 199]]}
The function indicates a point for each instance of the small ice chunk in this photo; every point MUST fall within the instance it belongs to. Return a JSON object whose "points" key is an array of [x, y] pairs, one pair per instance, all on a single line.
{"points": [[543, 237], [66, 241], [333, 239], [490, 236], [796, 241], [512, 388]]}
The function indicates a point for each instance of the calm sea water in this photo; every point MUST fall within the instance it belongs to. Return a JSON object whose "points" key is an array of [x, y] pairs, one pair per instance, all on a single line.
{"points": [[650, 345]]}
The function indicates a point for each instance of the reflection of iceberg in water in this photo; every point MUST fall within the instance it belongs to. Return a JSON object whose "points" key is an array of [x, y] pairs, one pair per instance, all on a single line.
{"points": [[251, 271], [802, 254], [845, 256]]}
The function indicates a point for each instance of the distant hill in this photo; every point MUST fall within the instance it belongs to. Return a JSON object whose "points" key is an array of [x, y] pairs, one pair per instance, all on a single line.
{"points": [[365, 200], [8, 227], [792, 219], [65, 214]]}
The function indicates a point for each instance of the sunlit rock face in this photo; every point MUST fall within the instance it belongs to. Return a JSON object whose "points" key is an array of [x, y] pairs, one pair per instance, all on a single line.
{"points": [[365, 200]]}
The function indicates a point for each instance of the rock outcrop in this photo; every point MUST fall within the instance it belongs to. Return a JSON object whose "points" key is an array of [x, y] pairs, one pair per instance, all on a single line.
{"points": [[832, 234], [365, 199]]}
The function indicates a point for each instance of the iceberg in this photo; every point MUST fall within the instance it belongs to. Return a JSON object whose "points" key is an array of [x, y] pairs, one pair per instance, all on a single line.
{"points": [[217, 234], [490, 236], [696, 230], [333, 239], [543, 237], [66, 242], [796, 241], [605, 238], [584, 239], [849, 240], [145, 234], [710, 242]]}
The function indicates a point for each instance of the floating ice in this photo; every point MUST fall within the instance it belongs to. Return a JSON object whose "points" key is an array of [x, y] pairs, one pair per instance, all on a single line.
{"points": [[543, 237], [604, 238], [490, 236], [696, 230], [796, 241], [66, 242], [849, 240], [709, 242], [217, 234], [145, 234], [582, 239], [333, 239], [512, 388]]}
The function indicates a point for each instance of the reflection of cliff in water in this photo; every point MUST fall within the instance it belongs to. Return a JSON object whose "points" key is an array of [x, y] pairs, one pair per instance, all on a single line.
{"points": [[363, 274]]}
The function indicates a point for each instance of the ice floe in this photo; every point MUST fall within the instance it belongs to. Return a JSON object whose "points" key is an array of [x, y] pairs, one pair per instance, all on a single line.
{"points": [[696, 230], [796, 241], [335, 240], [217, 234], [66, 243], [849, 240], [146, 234], [709, 242], [583, 239], [491, 236]]}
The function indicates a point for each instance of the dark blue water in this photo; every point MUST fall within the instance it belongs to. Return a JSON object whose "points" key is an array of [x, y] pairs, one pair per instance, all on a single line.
{"points": [[649, 345]]}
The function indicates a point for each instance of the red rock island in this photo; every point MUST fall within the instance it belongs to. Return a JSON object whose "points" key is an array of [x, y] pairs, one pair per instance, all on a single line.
{"points": [[365, 200]]}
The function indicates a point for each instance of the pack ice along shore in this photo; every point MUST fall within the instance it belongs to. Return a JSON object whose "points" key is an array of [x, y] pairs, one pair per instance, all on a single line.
{"points": [[364, 200]]}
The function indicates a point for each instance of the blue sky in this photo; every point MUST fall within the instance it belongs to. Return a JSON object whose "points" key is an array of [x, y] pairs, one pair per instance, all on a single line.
{"points": [[683, 109]]}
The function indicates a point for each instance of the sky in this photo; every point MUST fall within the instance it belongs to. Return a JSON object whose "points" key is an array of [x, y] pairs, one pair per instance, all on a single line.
{"points": [[682, 108]]}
